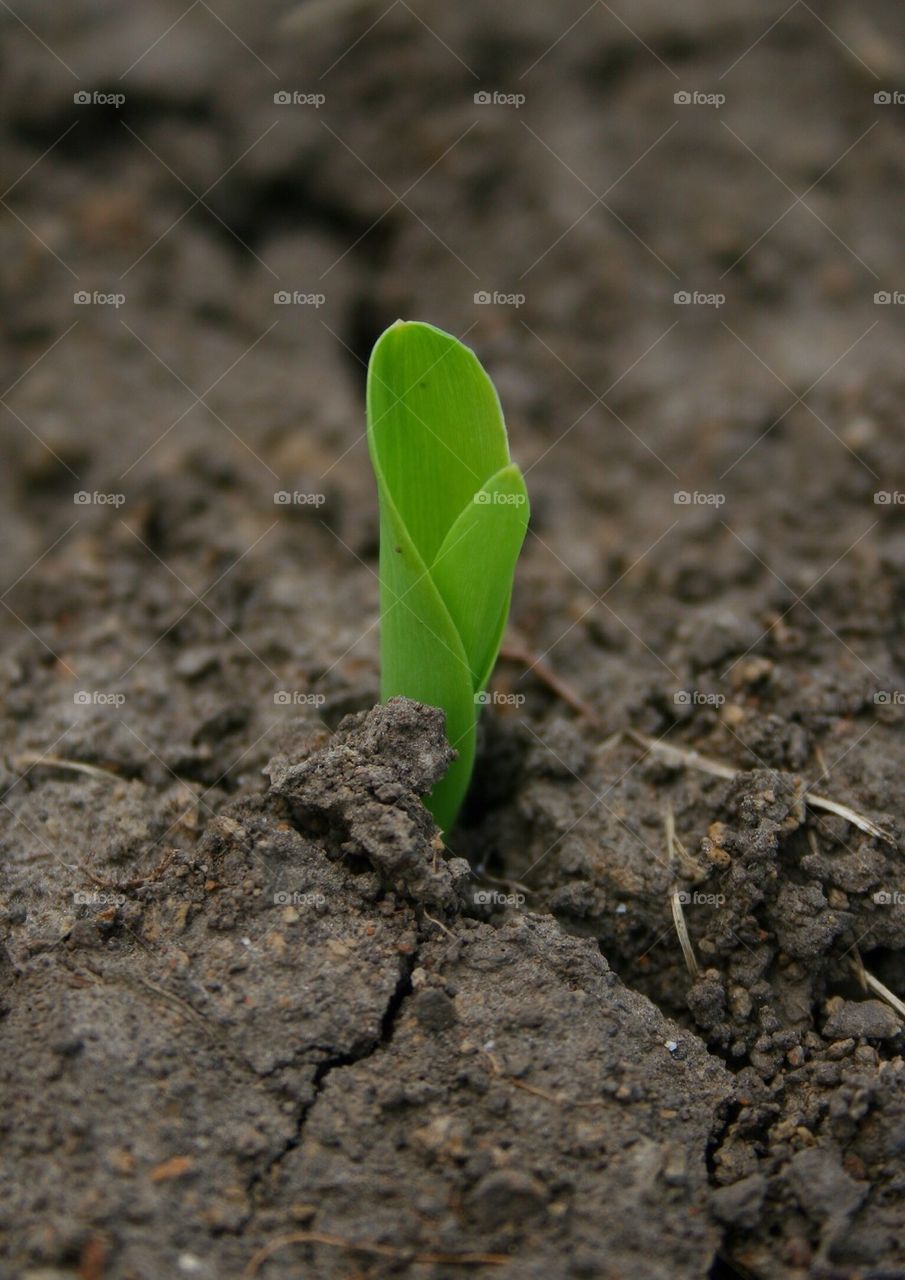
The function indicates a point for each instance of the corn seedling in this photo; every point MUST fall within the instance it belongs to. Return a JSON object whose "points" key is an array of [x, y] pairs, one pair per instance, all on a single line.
{"points": [[453, 516]]}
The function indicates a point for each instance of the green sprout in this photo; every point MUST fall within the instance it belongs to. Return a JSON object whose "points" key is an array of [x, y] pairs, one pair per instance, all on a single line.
{"points": [[453, 517]]}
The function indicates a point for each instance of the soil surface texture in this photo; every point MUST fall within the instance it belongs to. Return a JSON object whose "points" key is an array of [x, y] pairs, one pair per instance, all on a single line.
{"points": [[641, 1014]]}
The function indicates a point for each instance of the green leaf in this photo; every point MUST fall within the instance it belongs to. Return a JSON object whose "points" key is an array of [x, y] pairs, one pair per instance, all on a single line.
{"points": [[488, 533], [436, 425], [453, 517]]}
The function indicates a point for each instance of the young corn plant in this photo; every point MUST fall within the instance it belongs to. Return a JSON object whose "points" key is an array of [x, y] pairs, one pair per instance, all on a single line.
{"points": [[453, 517]]}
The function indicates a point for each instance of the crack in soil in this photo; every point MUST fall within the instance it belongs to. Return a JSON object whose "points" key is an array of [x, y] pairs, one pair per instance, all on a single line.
{"points": [[324, 1070]]}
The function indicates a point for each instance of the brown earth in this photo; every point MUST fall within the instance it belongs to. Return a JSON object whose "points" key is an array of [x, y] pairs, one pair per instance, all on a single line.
{"points": [[256, 1020]]}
